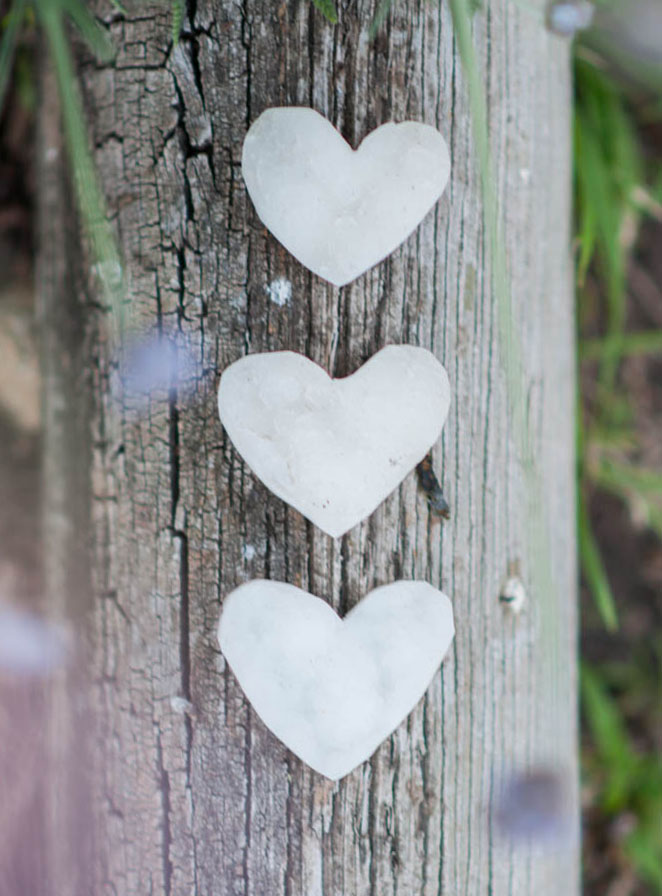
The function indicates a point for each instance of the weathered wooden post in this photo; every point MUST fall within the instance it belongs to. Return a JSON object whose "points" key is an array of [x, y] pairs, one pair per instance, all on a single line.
{"points": [[188, 792]]}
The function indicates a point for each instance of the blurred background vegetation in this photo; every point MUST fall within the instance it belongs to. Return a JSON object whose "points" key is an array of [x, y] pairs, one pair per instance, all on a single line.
{"points": [[618, 228], [618, 250]]}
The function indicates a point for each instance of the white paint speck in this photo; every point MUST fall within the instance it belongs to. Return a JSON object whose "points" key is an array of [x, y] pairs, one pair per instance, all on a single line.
{"points": [[249, 552], [181, 705], [513, 594], [109, 272], [279, 291], [238, 300], [525, 175]]}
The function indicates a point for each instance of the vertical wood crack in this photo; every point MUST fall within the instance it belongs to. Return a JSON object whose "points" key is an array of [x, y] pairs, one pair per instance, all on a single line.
{"points": [[166, 833]]}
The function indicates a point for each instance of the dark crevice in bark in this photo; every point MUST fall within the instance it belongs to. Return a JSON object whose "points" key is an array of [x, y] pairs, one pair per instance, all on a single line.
{"points": [[310, 34], [110, 137], [336, 867], [166, 833], [394, 856], [246, 43], [191, 149], [173, 445], [442, 790], [184, 636], [234, 177], [427, 796], [372, 829], [179, 527], [186, 146], [349, 73], [191, 11], [344, 601], [334, 81], [292, 873], [248, 326], [248, 817]]}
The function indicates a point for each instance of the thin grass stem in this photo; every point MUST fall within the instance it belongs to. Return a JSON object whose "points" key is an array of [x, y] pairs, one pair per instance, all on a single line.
{"points": [[645, 342], [8, 45]]}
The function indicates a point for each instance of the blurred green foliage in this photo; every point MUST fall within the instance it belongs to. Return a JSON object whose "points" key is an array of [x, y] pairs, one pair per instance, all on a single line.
{"points": [[608, 169], [328, 10], [51, 17], [627, 778], [611, 177], [615, 187]]}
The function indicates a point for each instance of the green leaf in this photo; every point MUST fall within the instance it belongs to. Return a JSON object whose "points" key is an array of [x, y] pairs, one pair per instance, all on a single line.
{"points": [[593, 569], [328, 10], [644, 849], [177, 19], [628, 781], [90, 30], [90, 198], [645, 342], [608, 171], [632, 476], [380, 17], [618, 763]]}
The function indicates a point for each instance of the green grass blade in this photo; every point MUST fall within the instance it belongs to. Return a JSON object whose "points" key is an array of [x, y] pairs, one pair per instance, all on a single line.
{"points": [[618, 763], [90, 199], [608, 173], [509, 345], [645, 342], [328, 10], [623, 476], [380, 17], [177, 19], [536, 522], [8, 45], [24, 80], [90, 30], [645, 849], [628, 781], [593, 569]]}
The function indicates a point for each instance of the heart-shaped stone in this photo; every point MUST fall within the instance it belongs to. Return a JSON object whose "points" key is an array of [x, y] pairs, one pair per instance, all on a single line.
{"points": [[334, 449], [333, 689], [340, 211]]}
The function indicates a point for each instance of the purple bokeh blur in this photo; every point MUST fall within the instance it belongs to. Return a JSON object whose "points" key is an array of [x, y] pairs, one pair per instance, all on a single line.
{"points": [[567, 17], [534, 807], [155, 363], [29, 644]]}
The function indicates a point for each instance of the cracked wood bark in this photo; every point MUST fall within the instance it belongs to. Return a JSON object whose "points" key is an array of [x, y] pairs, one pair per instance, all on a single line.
{"points": [[195, 795]]}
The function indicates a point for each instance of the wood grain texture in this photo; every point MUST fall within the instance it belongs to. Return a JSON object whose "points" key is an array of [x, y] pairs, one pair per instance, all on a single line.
{"points": [[195, 795]]}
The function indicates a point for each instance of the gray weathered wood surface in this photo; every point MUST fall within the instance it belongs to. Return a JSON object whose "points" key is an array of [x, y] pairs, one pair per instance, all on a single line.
{"points": [[202, 798]]}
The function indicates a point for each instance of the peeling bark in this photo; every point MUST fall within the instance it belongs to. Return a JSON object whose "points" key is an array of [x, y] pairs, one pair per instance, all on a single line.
{"points": [[189, 792]]}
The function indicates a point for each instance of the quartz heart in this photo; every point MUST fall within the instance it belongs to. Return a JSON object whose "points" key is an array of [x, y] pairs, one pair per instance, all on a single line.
{"points": [[340, 211], [334, 449], [333, 689]]}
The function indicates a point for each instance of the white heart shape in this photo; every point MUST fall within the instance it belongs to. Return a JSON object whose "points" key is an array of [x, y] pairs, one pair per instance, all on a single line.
{"points": [[334, 449], [333, 689], [340, 211]]}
